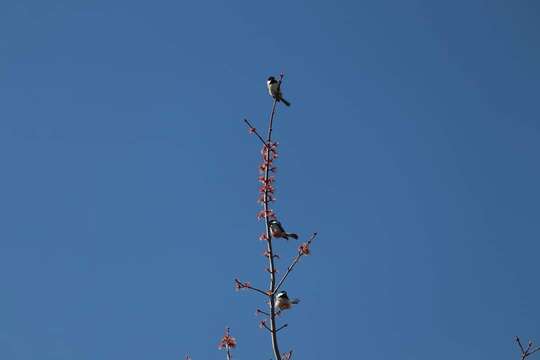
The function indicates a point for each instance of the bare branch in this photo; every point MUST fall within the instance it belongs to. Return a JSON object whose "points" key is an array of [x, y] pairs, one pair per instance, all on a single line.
{"points": [[519, 344], [240, 285], [262, 312], [253, 130], [258, 290], [301, 252], [282, 327], [263, 324], [525, 353]]}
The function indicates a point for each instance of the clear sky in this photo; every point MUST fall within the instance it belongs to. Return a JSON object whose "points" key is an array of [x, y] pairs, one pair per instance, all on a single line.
{"points": [[128, 181]]}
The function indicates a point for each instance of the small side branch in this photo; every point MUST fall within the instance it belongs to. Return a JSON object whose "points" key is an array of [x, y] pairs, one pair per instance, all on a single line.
{"points": [[253, 130], [259, 311], [240, 285], [303, 250], [525, 353], [282, 327], [263, 324]]}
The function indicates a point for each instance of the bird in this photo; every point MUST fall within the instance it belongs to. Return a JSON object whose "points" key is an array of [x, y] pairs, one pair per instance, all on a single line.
{"points": [[283, 302], [278, 232], [274, 89]]}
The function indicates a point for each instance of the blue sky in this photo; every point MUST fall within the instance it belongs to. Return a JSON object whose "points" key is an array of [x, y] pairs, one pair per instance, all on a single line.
{"points": [[129, 182]]}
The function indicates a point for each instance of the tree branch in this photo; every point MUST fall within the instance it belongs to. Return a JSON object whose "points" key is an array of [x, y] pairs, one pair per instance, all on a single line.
{"points": [[263, 324], [269, 249], [269, 153], [295, 261], [262, 312], [525, 353], [253, 130], [240, 285], [267, 213]]}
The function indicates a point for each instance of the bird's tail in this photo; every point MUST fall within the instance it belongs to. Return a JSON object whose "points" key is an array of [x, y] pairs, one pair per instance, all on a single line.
{"points": [[285, 101], [294, 236], [295, 301]]}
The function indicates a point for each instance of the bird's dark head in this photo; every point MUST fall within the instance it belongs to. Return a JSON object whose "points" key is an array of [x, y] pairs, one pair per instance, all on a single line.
{"points": [[282, 294], [271, 78], [273, 222]]}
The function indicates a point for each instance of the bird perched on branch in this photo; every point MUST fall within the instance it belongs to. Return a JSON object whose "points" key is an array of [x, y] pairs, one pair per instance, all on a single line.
{"points": [[278, 232], [274, 89], [283, 302]]}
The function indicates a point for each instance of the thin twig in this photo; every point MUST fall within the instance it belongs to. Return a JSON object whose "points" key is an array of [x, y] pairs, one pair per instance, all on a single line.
{"points": [[525, 353], [266, 326], [282, 327], [258, 290], [241, 285], [254, 131], [263, 312], [293, 264]]}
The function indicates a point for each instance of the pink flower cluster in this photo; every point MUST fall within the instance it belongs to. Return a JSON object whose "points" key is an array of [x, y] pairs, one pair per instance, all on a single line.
{"points": [[304, 249], [266, 191], [227, 341]]}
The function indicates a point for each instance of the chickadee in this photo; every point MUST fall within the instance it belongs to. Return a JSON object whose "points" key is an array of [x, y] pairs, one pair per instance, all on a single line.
{"points": [[278, 232], [274, 89], [283, 302]]}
